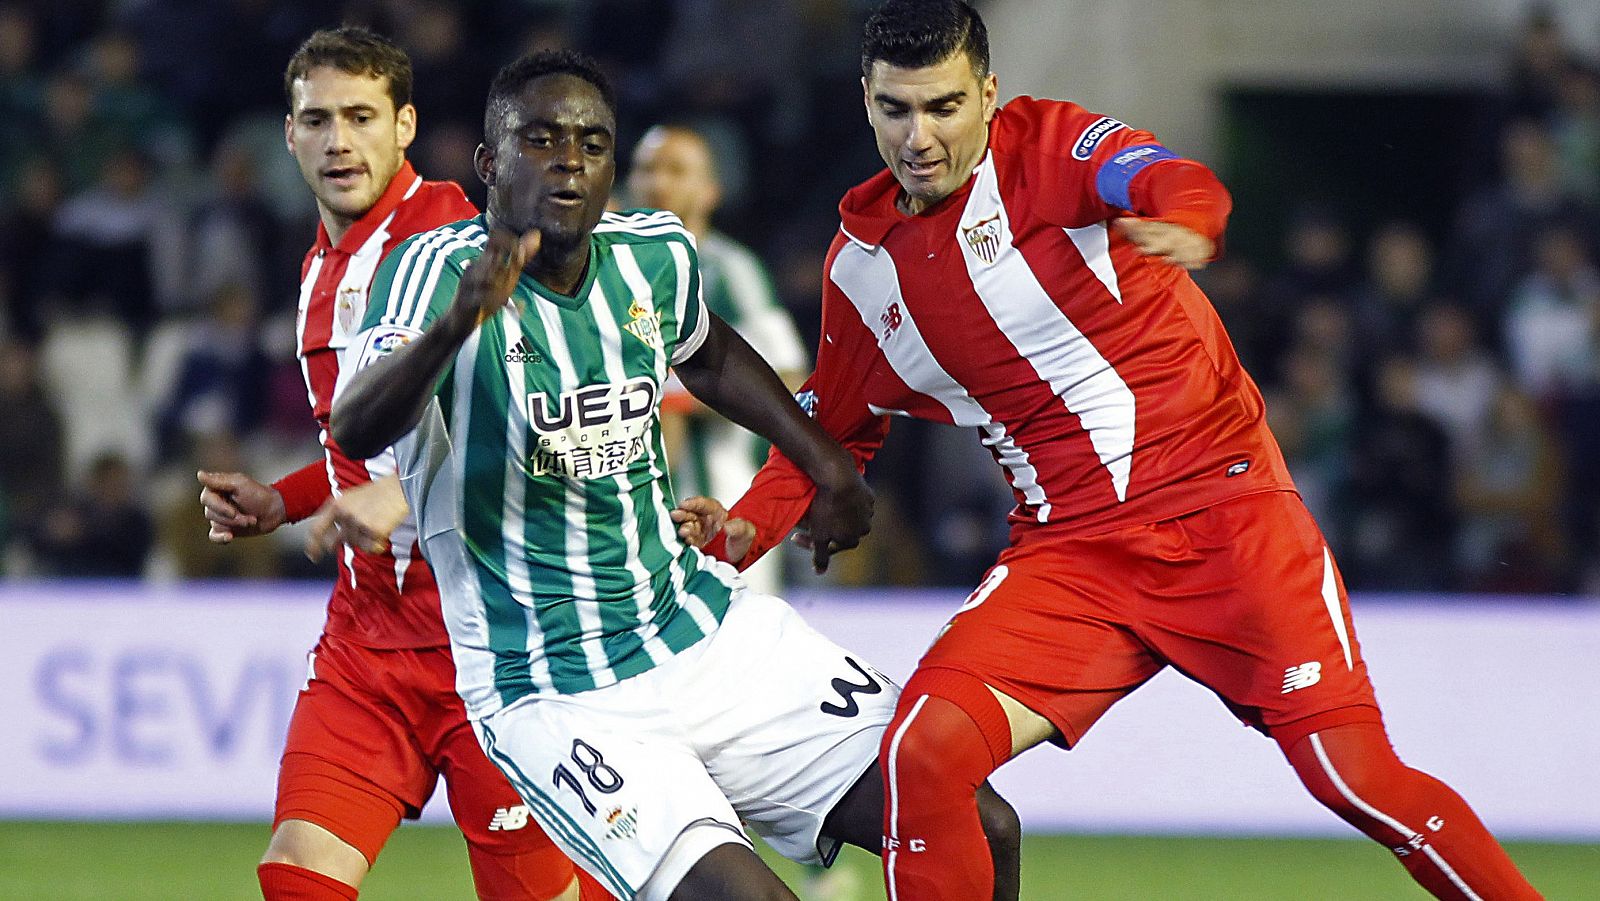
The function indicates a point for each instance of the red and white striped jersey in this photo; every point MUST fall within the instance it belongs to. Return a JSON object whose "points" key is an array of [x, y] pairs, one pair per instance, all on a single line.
{"points": [[1100, 379], [384, 600]]}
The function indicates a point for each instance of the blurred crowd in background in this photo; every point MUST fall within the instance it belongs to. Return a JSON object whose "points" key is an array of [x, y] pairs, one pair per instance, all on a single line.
{"points": [[1437, 394]]}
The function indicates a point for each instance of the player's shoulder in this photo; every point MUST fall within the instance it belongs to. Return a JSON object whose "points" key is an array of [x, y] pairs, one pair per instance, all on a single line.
{"points": [[434, 203], [642, 226], [450, 244], [1056, 128]]}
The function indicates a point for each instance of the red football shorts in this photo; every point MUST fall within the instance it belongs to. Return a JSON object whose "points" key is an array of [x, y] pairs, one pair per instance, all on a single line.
{"points": [[1242, 596], [372, 732]]}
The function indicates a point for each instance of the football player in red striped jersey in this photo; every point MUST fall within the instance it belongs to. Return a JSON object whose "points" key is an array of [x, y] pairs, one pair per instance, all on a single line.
{"points": [[1020, 270]]}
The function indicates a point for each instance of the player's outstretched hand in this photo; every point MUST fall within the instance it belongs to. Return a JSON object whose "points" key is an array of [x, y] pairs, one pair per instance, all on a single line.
{"points": [[237, 506], [699, 519], [840, 515], [1171, 242], [487, 284], [363, 517]]}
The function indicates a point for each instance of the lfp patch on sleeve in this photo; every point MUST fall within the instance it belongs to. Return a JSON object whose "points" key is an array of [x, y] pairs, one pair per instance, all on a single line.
{"points": [[1091, 137], [382, 342]]}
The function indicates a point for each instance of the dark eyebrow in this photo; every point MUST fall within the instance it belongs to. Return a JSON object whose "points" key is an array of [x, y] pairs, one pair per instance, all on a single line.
{"points": [[941, 100], [549, 125], [352, 108]]}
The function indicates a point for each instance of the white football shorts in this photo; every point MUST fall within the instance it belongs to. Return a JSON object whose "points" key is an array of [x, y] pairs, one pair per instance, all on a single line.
{"points": [[765, 721]]}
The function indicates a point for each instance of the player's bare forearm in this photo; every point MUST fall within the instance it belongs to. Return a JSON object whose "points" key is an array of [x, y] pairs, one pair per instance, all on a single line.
{"points": [[727, 375], [386, 400], [730, 377]]}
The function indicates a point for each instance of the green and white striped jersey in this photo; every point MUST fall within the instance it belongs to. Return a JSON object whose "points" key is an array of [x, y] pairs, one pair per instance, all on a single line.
{"points": [[538, 474]]}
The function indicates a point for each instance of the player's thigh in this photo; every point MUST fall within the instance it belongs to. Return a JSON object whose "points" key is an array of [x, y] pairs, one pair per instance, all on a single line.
{"points": [[1051, 628], [349, 765], [613, 780], [790, 720], [1264, 621]]}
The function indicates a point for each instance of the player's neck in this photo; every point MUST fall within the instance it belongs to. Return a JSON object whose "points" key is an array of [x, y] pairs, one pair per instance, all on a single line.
{"points": [[334, 224], [560, 270]]}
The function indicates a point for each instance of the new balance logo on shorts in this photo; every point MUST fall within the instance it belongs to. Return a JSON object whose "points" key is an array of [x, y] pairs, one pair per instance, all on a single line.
{"points": [[523, 352], [1303, 676], [509, 819]]}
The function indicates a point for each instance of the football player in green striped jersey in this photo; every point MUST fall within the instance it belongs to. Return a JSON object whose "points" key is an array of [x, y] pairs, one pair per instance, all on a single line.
{"points": [[642, 700]]}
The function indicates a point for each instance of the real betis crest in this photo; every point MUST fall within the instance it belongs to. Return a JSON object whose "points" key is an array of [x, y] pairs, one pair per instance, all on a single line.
{"points": [[646, 324]]}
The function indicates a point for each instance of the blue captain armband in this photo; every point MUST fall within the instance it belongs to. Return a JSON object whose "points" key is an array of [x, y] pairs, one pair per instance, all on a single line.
{"points": [[1116, 175]]}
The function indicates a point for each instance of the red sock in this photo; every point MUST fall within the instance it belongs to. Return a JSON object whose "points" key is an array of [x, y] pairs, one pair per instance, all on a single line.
{"points": [[1354, 772], [287, 882], [948, 734]]}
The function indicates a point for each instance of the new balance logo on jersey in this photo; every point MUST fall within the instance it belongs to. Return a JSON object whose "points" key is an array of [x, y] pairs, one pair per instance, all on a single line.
{"points": [[891, 318], [509, 819], [524, 352], [1303, 676]]}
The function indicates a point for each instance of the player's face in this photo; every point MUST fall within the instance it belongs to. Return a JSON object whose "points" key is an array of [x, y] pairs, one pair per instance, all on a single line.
{"points": [[553, 162], [672, 170], [348, 138], [932, 124]]}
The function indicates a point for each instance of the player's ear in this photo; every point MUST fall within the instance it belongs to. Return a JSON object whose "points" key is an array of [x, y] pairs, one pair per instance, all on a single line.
{"points": [[483, 162], [866, 97], [405, 126], [288, 132], [991, 95]]}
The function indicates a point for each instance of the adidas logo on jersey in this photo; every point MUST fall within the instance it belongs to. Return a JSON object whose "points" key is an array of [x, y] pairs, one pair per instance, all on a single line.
{"points": [[509, 819], [524, 352], [1303, 676]]}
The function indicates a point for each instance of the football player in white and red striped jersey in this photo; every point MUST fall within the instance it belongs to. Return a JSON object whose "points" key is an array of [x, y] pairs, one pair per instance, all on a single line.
{"points": [[379, 720], [1019, 270]]}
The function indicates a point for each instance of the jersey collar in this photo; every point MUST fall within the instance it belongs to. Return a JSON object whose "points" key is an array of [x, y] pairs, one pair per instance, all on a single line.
{"points": [[404, 183], [868, 212]]}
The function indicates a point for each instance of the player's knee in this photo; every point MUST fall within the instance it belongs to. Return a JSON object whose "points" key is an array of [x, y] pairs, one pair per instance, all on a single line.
{"points": [[1348, 768], [307, 846], [918, 747]]}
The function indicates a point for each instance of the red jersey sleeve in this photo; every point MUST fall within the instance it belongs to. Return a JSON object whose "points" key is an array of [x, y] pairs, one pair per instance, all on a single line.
{"points": [[1088, 168], [780, 494], [304, 491]]}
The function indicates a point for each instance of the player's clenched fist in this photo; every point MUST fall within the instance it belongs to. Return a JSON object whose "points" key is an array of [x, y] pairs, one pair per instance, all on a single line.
{"points": [[487, 284], [839, 517]]}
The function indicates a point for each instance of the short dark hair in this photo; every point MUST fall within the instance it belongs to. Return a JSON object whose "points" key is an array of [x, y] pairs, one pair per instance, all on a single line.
{"points": [[912, 34], [516, 75], [354, 50]]}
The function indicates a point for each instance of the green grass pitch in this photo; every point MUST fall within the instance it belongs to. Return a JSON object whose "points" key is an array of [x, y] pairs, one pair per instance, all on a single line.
{"points": [[205, 861]]}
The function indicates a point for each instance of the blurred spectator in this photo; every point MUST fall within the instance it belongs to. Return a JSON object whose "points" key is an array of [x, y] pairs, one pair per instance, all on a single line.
{"points": [[448, 83], [1509, 487], [99, 530], [1313, 416], [136, 113], [219, 389], [1234, 287], [1398, 284], [72, 134], [1538, 63], [183, 531], [105, 243], [1495, 228], [21, 90], [1575, 128], [1317, 251], [236, 239], [1552, 326], [1457, 380], [1403, 517], [31, 438], [24, 249]]}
